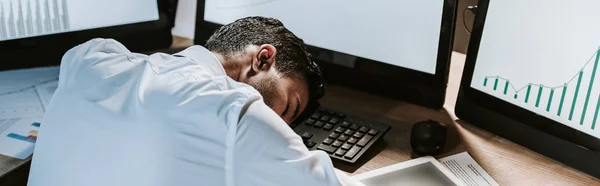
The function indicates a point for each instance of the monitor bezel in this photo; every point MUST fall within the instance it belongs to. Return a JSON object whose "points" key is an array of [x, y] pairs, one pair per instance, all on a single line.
{"points": [[47, 50], [377, 77], [543, 135]]}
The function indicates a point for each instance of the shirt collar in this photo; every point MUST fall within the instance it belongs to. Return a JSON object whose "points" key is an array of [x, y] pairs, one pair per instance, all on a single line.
{"points": [[200, 54]]}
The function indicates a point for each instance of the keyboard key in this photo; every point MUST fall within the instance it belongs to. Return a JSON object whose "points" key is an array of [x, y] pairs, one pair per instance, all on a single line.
{"points": [[309, 143], [294, 125], [327, 141], [309, 122], [328, 127], [352, 152], [349, 132], [307, 135], [358, 135], [334, 135], [346, 137], [343, 137], [345, 124], [363, 129], [339, 129], [340, 152], [373, 132], [319, 124], [362, 142], [346, 146], [337, 143], [353, 140], [326, 148]]}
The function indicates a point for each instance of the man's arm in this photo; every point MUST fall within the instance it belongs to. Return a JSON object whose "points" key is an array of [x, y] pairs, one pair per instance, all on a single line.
{"points": [[268, 152], [77, 61]]}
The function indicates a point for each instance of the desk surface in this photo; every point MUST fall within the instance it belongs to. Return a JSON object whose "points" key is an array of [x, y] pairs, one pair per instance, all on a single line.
{"points": [[506, 162]]}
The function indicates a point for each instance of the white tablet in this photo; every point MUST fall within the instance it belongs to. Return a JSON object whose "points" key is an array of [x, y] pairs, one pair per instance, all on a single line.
{"points": [[425, 171]]}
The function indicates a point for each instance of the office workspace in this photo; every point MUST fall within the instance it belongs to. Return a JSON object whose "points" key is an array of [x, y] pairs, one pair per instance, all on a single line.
{"points": [[549, 139]]}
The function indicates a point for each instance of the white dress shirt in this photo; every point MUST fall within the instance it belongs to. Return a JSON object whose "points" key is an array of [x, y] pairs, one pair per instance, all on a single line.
{"points": [[121, 118]]}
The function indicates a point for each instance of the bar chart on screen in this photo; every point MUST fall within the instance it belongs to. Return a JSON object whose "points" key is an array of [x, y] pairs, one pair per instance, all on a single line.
{"points": [[576, 100], [26, 18]]}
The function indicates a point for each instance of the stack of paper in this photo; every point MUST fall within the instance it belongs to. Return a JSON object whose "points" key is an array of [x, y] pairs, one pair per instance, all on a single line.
{"points": [[466, 169], [24, 96], [460, 169]]}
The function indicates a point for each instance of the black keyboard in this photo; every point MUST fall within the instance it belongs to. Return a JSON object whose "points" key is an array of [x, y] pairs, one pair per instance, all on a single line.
{"points": [[343, 137]]}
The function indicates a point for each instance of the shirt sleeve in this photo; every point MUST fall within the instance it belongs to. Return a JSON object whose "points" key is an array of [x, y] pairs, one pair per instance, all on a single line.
{"points": [[268, 152], [77, 62]]}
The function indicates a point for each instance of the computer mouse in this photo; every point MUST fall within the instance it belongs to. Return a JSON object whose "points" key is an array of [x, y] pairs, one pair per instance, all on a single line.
{"points": [[427, 138]]}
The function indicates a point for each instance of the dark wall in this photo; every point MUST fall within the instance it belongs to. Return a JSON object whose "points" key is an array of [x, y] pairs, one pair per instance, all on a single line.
{"points": [[461, 37]]}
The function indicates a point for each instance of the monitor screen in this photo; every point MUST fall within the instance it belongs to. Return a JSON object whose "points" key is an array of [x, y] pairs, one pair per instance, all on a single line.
{"points": [[543, 56], [402, 33], [30, 18]]}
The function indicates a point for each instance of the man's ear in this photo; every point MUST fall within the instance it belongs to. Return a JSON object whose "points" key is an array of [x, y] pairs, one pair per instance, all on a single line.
{"points": [[265, 58]]}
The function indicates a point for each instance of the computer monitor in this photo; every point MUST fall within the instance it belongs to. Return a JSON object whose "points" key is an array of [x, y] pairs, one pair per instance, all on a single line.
{"points": [[37, 32], [531, 76], [29, 18], [399, 49]]}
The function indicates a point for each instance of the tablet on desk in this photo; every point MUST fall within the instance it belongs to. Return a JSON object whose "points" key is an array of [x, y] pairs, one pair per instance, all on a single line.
{"points": [[421, 171]]}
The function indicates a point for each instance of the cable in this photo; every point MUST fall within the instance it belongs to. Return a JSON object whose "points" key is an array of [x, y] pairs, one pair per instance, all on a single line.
{"points": [[465, 22], [473, 10]]}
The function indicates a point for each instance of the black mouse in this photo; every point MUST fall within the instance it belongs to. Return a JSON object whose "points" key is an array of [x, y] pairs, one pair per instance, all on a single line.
{"points": [[427, 138]]}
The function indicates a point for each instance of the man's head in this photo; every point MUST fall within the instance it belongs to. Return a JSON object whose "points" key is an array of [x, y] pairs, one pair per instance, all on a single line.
{"points": [[263, 53]]}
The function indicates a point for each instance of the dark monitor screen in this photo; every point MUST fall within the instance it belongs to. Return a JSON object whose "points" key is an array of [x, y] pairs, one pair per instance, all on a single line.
{"points": [[399, 49]]}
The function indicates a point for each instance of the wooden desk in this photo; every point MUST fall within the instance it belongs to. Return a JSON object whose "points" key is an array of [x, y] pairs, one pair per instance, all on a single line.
{"points": [[506, 162]]}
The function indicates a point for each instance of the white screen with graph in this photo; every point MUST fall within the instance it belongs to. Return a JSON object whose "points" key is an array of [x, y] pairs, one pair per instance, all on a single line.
{"points": [[542, 55], [404, 33], [29, 18]]}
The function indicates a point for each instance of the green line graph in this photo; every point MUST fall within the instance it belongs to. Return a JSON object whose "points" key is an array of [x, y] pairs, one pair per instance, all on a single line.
{"points": [[539, 96], [550, 101], [527, 95], [537, 100], [576, 93], [562, 99], [495, 84], [587, 97]]}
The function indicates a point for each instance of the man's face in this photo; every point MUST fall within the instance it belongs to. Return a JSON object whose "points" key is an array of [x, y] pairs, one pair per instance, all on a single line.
{"points": [[286, 95]]}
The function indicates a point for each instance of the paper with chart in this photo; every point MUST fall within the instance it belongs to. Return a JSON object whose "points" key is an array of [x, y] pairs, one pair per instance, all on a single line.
{"points": [[19, 136], [24, 97], [45, 92]]}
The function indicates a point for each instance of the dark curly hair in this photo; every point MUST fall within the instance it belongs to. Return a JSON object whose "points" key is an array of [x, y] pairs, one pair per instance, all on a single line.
{"points": [[292, 59]]}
